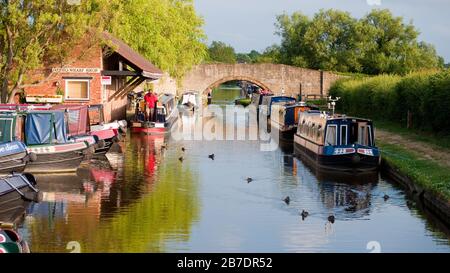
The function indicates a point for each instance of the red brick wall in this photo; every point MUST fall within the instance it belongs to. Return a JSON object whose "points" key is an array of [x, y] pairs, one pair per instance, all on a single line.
{"points": [[45, 82]]}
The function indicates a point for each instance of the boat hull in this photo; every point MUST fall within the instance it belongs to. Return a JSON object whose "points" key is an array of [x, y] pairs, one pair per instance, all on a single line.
{"points": [[353, 162], [58, 158], [108, 136], [12, 205], [13, 157], [158, 129], [13, 163]]}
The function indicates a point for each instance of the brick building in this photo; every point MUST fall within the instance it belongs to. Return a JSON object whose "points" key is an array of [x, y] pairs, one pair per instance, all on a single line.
{"points": [[93, 74]]}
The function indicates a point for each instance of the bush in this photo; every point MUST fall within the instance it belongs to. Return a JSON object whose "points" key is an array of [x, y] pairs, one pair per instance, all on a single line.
{"points": [[426, 95]]}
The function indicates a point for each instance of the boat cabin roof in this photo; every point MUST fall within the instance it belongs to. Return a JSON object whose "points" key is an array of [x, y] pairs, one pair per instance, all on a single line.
{"points": [[322, 117], [45, 127]]}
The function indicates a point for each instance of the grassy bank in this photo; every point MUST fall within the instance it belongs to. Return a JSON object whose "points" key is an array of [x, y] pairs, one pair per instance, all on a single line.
{"points": [[430, 175], [436, 140], [244, 102]]}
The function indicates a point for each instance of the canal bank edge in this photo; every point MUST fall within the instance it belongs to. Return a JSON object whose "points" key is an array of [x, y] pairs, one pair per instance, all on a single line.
{"points": [[437, 204]]}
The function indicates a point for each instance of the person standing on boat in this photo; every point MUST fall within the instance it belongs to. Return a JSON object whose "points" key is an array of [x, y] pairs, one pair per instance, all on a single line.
{"points": [[150, 105]]}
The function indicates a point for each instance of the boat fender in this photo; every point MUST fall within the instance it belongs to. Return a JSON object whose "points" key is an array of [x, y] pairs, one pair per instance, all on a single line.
{"points": [[32, 157], [101, 143], [33, 196]]}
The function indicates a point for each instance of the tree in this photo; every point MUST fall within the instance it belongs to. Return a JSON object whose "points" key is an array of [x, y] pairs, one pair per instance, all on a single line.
{"points": [[243, 58], [167, 32], [392, 46], [333, 40], [222, 53], [32, 32], [270, 55]]}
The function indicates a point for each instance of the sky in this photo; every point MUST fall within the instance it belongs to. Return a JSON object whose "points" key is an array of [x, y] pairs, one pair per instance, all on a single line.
{"points": [[249, 24]]}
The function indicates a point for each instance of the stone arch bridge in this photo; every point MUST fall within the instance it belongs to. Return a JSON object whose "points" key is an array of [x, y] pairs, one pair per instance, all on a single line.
{"points": [[275, 77]]}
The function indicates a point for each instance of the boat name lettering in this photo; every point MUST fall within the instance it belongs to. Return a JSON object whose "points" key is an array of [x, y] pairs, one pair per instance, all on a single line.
{"points": [[343, 151], [9, 147]]}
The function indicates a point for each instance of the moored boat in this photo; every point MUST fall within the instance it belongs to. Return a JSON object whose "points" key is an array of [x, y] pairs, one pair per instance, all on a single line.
{"points": [[269, 101], [256, 101], [336, 142], [79, 126], [46, 136], [284, 118], [17, 191], [98, 123], [14, 155], [108, 133], [166, 116], [190, 101], [11, 241]]}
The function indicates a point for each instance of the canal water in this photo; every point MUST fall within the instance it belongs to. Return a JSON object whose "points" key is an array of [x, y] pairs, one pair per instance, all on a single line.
{"points": [[150, 201]]}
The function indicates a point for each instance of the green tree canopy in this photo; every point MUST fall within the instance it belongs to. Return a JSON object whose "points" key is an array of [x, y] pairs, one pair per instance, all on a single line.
{"points": [[221, 52], [167, 32], [334, 40], [34, 31]]}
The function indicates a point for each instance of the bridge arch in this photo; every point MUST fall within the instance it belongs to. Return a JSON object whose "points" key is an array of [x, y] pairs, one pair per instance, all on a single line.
{"points": [[293, 81], [234, 78]]}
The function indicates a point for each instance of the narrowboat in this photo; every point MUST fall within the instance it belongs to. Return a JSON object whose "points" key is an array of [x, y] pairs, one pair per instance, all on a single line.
{"points": [[269, 101], [17, 191], [336, 142], [256, 101], [108, 133], [14, 155], [284, 119], [11, 241], [190, 101], [166, 116], [98, 123], [79, 126], [46, 136]]}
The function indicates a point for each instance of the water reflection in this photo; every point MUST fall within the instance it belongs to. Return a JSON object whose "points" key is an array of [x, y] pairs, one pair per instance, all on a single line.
{"points": [[135, 209]]}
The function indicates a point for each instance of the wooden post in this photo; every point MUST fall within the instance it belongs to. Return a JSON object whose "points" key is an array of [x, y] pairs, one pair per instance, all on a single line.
{"points": [[409, 120], [300, 94]]}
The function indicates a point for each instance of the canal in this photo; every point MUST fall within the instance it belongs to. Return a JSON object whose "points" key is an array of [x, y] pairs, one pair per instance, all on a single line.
{"points": [[152, 202]]}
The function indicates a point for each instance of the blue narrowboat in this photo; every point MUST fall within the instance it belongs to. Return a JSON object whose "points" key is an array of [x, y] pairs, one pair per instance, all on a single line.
{"points": [[268, 102], [13, 153], [336, 142]]}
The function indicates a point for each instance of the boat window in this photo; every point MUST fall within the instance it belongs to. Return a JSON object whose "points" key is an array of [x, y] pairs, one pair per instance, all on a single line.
{"points": [[6, 129], [364, 135], [319, 133], [344, 129], [331, 135]]}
